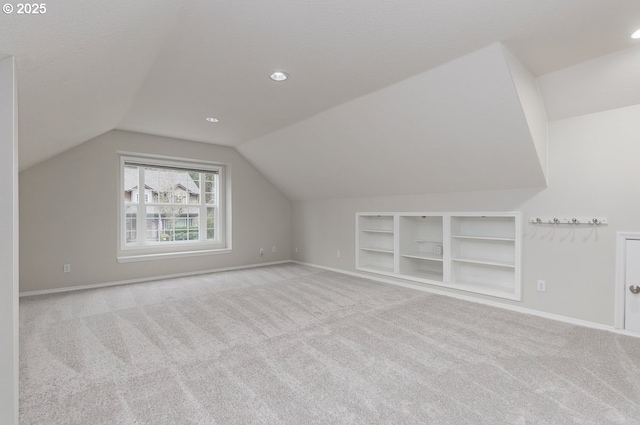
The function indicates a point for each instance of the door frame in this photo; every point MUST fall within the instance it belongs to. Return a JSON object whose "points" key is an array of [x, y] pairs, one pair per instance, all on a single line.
{"points": [[620, 288]]}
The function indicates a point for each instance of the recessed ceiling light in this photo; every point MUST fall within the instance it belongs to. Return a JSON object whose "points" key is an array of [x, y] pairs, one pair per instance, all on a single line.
{"points": [[279, 76], [212, 119], [636, 34]]}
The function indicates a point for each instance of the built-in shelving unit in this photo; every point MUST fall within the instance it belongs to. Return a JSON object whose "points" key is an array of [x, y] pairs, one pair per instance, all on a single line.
{"points": [[477, 252], [376, 243]]}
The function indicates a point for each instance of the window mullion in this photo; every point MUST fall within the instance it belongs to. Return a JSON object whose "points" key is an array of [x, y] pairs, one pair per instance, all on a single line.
{"points": [[202, 233], [142, 209]]}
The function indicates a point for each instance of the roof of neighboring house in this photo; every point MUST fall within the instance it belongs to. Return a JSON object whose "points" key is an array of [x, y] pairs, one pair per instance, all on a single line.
{"points": [[160, 180]]}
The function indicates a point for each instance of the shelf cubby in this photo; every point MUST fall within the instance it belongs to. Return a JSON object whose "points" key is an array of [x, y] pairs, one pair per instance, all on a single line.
{"points": [[483, 275], [421, 268], [484, 253], [376, 223], [376, 243], [497, 251], [376, 261], [421, 246], [483, 227]]}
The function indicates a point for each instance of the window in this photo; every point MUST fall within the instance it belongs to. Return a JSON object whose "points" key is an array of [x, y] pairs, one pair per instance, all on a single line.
{"points": [[137, 196], [183, 210]]}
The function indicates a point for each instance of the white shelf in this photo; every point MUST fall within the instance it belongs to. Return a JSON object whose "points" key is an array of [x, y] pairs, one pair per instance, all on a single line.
{"points": [[484, 262], [376, 268], [427, 275], [483, 238], [377, 231], [426, 241], [421, 257], [384, 251]]}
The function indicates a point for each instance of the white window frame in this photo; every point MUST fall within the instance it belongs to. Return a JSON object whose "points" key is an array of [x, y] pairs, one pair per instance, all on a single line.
{"points": [[148, 250]]}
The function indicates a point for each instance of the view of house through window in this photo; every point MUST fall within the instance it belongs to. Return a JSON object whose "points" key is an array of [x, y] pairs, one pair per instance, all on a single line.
{"points": [[169, 205]]}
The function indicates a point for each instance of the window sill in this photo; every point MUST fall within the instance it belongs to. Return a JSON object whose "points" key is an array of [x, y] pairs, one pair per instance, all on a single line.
{"points": [[166, 255]]}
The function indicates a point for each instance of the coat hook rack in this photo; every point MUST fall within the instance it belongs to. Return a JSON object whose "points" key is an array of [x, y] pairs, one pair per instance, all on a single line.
{"points": [[574, 221]]}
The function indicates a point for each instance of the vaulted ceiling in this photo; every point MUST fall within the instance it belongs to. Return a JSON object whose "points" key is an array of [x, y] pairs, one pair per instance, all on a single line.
{"points": [[162, 66]]}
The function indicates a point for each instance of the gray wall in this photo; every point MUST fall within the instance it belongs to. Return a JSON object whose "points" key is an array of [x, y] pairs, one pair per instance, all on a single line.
{"points": [[8, 245], [69, 208], [593, 171]]}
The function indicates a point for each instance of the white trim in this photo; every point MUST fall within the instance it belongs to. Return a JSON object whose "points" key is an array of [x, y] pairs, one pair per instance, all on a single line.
{"points": [[186, 162], [165, 255], [447, 269], [396, 243], [514, 308], [9, 252], [146, 279], [620, 290]]}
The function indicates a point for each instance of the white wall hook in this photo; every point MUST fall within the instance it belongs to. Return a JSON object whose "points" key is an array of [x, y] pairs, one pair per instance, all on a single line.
{"points": [[590, 221]]}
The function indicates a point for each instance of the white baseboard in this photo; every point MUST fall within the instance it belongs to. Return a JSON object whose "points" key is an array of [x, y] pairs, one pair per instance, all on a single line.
{"points": [[517, 309], [147, 279]]}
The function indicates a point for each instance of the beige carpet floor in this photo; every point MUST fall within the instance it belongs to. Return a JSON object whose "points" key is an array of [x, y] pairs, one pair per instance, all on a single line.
{"points": [[289, 344]]}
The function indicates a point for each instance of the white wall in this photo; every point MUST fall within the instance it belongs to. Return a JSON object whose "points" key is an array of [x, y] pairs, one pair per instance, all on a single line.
{"points": [[600, 84], [593, 170], [431, 132], [532, 106], [8, 244], [69, 211]]}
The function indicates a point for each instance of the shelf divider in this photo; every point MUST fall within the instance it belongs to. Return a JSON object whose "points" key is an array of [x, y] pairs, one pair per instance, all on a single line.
{"points": [[421, 257], [377, 231], [485, 238], [384, 251]]}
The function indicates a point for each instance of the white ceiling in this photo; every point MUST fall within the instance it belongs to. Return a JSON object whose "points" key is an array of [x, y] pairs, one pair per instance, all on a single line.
{"points": [[162, 66]]}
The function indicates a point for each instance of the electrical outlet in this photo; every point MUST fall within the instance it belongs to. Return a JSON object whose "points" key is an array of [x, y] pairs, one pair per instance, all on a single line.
{"points": [[338, 254], [542, 286], [261, 252], [296, 249], [66, 268], [273, 249]]}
